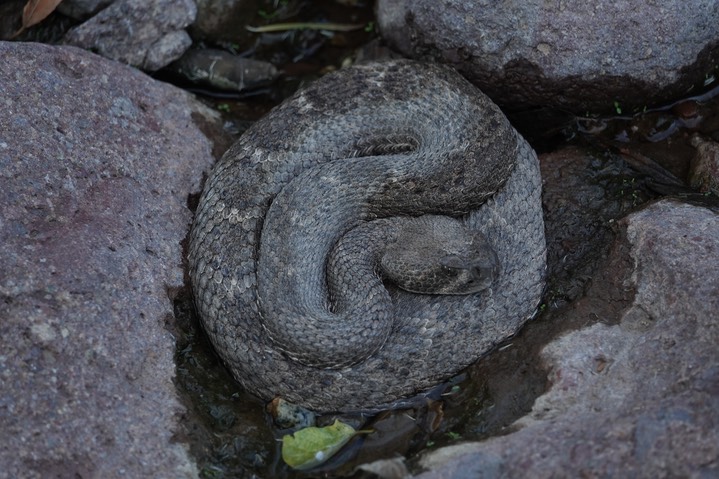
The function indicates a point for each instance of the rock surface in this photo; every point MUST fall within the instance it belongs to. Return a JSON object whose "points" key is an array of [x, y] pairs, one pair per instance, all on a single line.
{"points": [[635, 394], [563, 54], [96, 161], [146, 34]]}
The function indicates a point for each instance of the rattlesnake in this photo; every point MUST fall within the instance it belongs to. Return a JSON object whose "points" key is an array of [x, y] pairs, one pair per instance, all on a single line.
{"points": [[366, 143]]}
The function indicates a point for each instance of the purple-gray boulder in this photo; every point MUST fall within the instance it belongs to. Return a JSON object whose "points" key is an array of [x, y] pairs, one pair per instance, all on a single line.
{"points": [[569, 54], [96, 160]]}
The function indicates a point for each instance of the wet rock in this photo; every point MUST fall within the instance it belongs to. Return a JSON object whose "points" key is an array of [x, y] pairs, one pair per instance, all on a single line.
{"points": [[222, 70], [704, 168], [145, 34], [82, 9], [583, 193], [636, 393], [287, 415], [221, 21], [563, 54], [96, 161]]}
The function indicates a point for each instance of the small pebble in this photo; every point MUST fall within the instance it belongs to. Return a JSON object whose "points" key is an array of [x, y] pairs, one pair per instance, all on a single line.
{"points": [[704, 166]]}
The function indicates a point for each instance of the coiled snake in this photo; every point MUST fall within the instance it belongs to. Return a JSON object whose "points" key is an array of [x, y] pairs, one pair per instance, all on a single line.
{"points": [[289, 233]]}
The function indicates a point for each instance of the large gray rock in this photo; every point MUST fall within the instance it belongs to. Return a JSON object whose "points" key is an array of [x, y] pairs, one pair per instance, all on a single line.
{"points": [[146, 34], [96, 161], [570, 54], [635, 394]]}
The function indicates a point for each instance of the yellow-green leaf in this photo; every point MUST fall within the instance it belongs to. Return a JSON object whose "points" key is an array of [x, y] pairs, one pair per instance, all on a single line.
{"points": [[311, 446]]}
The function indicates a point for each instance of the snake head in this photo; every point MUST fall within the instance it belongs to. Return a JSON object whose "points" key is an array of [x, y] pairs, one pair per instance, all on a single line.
{"points": [[471, 275], [440, 255]]}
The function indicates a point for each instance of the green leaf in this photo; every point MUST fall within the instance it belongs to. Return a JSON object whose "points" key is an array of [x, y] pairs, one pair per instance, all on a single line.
{"points": [[454, 435], [311, 446]]}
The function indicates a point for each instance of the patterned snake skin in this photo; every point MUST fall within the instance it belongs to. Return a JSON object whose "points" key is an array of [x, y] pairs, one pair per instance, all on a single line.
{"points": [[368, 142]]}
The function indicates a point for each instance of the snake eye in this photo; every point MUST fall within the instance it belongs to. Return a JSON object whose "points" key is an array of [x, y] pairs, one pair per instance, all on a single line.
{"points": [[480, 273], [472, 275], [452, 261], [485, 270]]}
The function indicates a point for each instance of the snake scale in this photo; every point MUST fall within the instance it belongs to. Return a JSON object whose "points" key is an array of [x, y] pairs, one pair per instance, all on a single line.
{"points": [[306, 187]]}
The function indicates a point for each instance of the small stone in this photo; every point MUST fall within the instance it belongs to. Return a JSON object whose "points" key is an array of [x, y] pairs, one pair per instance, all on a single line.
{"points": [[290, 416], [386, 468], [704, 166], [142, 33], [686, 110], [224, 71], [167, 49]]}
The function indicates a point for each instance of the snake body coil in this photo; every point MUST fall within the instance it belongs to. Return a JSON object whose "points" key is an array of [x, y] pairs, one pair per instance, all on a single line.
{"points": [[354, 149]]}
